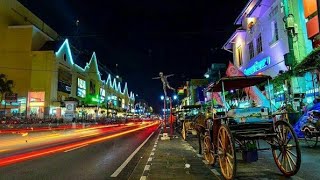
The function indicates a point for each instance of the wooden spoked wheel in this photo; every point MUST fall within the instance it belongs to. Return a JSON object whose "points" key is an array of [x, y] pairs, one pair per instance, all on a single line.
{"points": [[226, 152], [286, 151], [184, 132], [311, 140], [208, 150]]}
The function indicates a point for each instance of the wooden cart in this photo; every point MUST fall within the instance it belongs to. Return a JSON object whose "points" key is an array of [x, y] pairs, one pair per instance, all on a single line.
{"points": [[225, 136]]}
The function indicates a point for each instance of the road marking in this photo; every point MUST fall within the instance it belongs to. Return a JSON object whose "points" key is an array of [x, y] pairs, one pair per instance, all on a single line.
{"points": [[199, 155], [215, 172], [150, 159], [123, 165], [152, 154], [143, 178], [147, 168], [76, 148], [205, 162]]}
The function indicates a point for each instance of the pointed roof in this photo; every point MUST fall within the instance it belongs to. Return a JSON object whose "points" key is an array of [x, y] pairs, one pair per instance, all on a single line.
{"points": [[92, 66]]}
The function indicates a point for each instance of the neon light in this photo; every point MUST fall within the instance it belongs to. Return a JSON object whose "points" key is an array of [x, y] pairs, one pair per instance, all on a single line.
{"points": [[119, 87], [257, 66], [69, 55], [94, 59], [112, 85], [109, 81]]}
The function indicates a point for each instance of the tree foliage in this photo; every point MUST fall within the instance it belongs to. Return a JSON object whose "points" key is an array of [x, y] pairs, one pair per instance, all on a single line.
{"points": [[5, 86]]}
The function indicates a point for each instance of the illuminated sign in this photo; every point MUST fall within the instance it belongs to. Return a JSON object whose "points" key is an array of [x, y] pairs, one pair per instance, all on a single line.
{"points": [[102, 92], [81, 91], [257, 66], [36, 104]]}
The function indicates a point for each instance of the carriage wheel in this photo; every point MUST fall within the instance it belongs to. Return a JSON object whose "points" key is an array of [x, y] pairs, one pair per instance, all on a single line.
{"points": [[208, 150], [226, 152], [286, 152], [311, 140], [183, 132]]}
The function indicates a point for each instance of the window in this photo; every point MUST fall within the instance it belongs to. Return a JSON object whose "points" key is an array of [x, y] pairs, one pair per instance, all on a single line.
{"points": [[251, 50], [275, 33], [259, 44], [239, 55]]}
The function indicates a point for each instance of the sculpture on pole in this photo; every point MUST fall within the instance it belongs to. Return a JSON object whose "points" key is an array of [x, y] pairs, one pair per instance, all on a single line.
{"points": [[165, 83]]}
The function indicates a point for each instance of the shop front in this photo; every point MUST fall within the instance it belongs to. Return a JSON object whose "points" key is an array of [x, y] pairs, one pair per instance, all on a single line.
{"points": [[36, 104]]}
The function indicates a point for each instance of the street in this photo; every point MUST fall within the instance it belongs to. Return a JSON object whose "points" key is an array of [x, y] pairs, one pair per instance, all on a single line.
{"points": [[89, 160]]}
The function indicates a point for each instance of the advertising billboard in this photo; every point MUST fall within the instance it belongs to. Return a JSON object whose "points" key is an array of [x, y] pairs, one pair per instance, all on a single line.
{"points": [[81, 89], [64, 81]]}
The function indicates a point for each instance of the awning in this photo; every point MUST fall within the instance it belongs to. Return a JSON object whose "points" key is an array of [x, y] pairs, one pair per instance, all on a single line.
{"points": [[237, 82]]}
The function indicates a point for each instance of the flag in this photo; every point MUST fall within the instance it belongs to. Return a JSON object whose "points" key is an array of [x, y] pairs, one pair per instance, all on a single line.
{"points": [[180, 91], [232, 70]]}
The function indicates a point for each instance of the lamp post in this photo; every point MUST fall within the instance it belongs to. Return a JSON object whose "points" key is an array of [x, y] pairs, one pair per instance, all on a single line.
{"points": [[171, 116], [164, 113]]}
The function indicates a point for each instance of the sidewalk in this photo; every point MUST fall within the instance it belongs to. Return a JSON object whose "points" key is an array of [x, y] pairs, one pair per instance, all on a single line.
{"points": [[175, 159]]}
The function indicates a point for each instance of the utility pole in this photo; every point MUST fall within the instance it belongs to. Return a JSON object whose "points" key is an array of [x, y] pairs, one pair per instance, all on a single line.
{"points": [[318, 7], [290, 57], [164, 114]]}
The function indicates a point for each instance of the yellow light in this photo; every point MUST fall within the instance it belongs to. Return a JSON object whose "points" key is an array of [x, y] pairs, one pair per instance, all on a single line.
{"points": [[36, 104]]}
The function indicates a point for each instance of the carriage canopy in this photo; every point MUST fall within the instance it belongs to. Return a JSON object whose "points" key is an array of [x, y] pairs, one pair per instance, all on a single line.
{"points": [[237, 82]]}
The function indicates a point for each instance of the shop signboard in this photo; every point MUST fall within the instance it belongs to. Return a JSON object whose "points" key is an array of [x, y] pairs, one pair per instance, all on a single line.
{"points": [[70, 110], [11, 97], [257, 66]]}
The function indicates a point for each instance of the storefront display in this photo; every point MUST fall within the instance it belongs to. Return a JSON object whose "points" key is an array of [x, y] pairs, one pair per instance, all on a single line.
{"points": [[36, 103]]}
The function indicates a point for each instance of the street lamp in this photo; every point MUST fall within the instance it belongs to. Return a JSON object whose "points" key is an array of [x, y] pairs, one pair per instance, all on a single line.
{"points": [[175, 97], [162, 97]]}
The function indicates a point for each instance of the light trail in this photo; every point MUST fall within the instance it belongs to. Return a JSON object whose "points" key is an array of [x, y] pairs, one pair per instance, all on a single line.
{"points": [[22, 140], [47, 151]]}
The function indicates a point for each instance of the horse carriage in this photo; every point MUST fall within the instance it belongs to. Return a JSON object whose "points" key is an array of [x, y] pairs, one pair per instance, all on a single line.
{"points": [[223, 136], [187, 119]]}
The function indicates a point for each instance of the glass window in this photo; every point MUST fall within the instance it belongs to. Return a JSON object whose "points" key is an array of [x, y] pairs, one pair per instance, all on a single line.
{"points": [[259, 44], [251, 50], [239, 55], [274, 31]]}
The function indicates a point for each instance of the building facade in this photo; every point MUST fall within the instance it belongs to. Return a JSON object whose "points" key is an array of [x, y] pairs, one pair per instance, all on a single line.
{"points": [[45, 73], [272, 39], [215, 72]]}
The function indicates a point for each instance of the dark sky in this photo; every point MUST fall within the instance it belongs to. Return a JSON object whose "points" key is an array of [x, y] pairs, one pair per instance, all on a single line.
{"points": [[145, 37]]}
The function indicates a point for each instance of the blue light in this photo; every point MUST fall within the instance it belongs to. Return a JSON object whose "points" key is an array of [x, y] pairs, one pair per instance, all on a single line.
{"points": [[175, 97], [257, 66], [162, 97]]}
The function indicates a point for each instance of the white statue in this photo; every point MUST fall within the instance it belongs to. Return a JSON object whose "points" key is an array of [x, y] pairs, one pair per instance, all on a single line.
{"points": [[165, 82]]}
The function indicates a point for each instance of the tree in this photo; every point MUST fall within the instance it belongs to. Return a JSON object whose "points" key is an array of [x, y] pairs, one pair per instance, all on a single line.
{"points": [[5, 86]]}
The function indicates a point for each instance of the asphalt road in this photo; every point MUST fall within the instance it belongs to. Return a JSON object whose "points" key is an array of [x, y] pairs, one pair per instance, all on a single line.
{"points": [[94, 161]]}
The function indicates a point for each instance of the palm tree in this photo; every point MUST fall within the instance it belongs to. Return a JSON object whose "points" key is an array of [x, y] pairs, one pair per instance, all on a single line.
{"points": [[5, 87]]}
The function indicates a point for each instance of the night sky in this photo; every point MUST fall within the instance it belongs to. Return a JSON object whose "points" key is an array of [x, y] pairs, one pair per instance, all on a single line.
{"points": [[145, 37]]}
